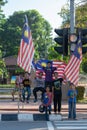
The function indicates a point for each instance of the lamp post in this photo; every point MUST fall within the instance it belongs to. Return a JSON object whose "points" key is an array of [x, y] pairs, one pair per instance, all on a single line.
{"points": [[72, 16]]}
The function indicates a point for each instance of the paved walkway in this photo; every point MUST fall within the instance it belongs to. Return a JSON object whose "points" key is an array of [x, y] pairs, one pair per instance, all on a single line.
{"points": [[8, 106]]}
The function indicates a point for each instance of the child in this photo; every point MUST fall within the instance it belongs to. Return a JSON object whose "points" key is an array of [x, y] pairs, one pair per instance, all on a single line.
{"points": [[17, 88], [40, 86], [27, 87], [57, 93], [47, 99], [72, 93]]}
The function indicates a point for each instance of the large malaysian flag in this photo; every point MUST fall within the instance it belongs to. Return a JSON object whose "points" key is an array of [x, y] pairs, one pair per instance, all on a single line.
{"points": [[26, 51], [73, 66]]}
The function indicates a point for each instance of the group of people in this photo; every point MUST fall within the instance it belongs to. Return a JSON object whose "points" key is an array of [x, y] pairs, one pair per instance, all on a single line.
{"points": [[51, 90]]}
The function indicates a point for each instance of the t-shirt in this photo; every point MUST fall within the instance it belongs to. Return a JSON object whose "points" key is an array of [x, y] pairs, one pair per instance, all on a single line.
{"points": [[26, 82], [72, 95], [48, 73], [47, 99], [57, 83], [40, 82]]}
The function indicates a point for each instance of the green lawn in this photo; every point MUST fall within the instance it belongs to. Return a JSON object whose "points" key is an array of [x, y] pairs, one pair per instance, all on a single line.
{"points": [[7, 85]]}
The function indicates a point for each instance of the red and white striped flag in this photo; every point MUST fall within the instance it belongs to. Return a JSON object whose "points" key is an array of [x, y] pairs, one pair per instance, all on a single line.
{"points": [[26, 51], [72, 68]]}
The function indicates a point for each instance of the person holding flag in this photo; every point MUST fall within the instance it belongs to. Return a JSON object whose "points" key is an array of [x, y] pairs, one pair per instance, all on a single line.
{"points": [[49, 70]]}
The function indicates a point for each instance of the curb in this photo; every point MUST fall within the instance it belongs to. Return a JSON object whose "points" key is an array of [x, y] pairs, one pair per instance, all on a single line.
{"points": [[29, 117]]}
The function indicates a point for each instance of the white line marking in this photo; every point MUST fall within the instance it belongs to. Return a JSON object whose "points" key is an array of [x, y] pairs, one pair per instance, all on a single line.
{"points": [[72, 128], [0, 117], [50, 126], [71, 124]]}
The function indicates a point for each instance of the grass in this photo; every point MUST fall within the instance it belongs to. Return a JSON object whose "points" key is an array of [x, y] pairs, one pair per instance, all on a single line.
{"points": [[7, 85]]}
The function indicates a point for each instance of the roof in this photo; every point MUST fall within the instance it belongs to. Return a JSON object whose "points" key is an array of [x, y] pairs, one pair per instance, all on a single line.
{"points": [[11, 60]]}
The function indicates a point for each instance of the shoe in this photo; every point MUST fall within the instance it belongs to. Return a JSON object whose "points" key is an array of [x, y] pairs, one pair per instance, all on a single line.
{"points": [[69, 118], [59, 113], [55, 113], [27, 101], [23, 101], [74, 119], [13, 99], [49, 112], [35, 100]]}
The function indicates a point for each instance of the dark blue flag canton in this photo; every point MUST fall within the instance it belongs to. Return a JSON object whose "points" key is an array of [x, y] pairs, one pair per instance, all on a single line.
{"points": [[41, 63], [25, 34], [78, 49]]}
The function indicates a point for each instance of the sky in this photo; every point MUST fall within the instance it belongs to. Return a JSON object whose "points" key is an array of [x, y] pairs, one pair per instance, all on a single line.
{"points": [[47, 8]]}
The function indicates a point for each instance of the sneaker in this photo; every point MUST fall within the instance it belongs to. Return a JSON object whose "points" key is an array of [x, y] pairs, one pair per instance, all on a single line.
{"points": [[12, 99], [27, 101], [69, 118], [23, 100], [59, 113], [49, 112], [35, 100], [55, 113], [74, 119]]}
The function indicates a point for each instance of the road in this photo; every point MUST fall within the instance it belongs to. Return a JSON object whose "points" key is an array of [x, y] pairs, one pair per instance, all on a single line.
{"points": [[15, 125], [70, 125], [44, 125]]}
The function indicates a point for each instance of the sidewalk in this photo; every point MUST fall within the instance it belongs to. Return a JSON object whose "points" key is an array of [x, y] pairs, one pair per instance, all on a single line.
{"points": [[10, 107]]}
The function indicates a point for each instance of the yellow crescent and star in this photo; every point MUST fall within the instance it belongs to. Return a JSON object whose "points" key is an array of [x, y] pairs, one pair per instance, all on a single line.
{"points": [[26, 33]]}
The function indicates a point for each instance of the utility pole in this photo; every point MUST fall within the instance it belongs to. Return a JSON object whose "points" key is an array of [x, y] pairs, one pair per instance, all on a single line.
{"points": [[72, 17], [73, 36]]}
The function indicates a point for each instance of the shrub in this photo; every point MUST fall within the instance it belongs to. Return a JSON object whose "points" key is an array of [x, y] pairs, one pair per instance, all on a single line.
{"points": [[80, 91]]}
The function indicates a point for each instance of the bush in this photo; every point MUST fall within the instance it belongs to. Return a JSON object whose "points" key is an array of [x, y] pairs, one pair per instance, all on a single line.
{"points": [[80, 91]]}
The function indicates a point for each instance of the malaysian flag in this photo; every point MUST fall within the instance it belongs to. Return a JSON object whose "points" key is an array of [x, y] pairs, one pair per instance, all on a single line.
{"points": [[73, 66], [60, 65], [26, 51]]}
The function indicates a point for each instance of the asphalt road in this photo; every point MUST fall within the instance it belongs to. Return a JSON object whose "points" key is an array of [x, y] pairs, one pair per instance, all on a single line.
{"points": [[15, 125]]}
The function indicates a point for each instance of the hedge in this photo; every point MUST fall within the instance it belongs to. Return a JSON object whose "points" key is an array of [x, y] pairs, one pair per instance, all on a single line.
{"points": [[80, 90]]}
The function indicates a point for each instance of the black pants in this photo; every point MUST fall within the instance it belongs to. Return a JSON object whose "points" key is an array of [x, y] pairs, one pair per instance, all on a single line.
{"points": [[35, 90], [48, 83], [57, 102]]}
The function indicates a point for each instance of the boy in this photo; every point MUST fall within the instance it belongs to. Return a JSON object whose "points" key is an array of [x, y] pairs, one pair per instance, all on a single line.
{"points": [[57, 93], [39, 86], [49, 70], [72, 93], [47, 101], [27, 87]]}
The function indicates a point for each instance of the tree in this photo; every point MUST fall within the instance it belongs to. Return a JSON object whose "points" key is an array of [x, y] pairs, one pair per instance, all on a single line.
{"points": [[2, 16], [84, 64], [11, 35], [65, 15], [3, 70]]}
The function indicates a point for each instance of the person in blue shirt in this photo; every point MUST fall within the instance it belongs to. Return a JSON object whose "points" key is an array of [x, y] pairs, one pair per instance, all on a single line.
{"points": [[72, 93]]}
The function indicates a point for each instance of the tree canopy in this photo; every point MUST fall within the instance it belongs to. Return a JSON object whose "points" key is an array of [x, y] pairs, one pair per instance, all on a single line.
{"points": [[12, 30]]}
